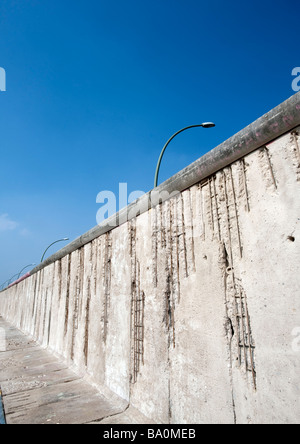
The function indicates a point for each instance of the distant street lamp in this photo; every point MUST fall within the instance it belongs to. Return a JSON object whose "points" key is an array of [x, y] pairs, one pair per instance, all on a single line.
{"points": [[30, 265], [60, 240], [18, 275], [2, 285], [204, 125], [11, 279]]}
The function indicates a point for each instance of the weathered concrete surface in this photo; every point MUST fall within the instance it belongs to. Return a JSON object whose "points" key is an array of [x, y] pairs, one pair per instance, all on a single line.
{"points": [[38, 388], [188, 311]]}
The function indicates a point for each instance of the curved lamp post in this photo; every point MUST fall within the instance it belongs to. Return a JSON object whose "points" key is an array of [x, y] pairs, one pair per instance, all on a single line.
{"points": [[60, 240], [18, 275], [204, 125], [30, 265], [11, 279], [2, 285]]}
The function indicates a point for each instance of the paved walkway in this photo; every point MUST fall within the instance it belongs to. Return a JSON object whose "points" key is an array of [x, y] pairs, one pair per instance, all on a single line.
{"points": [[38, 388]]}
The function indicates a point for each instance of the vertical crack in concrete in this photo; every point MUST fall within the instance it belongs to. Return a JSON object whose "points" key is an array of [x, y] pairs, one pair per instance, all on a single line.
{"points": [[133, 262], [35, 277], [95, 265], [244, 177], [67, 303], [173, 232], [87, 322], [59, 279], [49, 314], [171, 280], [154, 245], [49, 327], [39, 304], [182, 232], [248, 344], [45, 312], [23, 311], [230, 269], [76, 301], [82, 272], [191, 233], [223, 262], [266, 164], [270, 166], [202, 206], [238, 231], [51, 303], [216, 207], [107, 281], [162, 226], [242, 347], [137, 309], [211, 207], [172, 285], [169, 396], [296, 151]]}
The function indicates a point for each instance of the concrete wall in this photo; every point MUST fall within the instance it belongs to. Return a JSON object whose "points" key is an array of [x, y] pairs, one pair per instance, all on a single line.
{"points": [[188, 310]]}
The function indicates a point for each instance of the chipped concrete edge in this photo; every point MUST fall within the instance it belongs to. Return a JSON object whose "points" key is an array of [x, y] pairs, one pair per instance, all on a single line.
{"points": [[270, 126]]}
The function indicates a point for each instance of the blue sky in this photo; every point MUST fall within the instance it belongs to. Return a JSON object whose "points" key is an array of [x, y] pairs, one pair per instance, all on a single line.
{"points": [[95, 88]]}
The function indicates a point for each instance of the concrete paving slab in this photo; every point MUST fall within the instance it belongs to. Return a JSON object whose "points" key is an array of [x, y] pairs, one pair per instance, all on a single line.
{"points": [[38, 388], [27, 364], [74, 402], [40, 377], [15, 341]]}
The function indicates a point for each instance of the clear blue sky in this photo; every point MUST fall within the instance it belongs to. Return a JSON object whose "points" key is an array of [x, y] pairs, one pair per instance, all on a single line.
{"points": [[95, 88]]}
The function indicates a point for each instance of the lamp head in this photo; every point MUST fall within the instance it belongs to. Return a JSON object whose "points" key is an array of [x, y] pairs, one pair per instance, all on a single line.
{"points": [[208, 125]]}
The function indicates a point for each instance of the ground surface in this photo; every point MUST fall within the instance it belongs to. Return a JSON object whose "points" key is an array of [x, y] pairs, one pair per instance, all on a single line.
{"points": [[38, 388]]}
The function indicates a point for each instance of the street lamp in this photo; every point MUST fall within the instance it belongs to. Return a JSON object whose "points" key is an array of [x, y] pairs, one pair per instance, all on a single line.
{"points": [[2, 285], [60, 240], [11, 279], [30, 265], [16, 275], [204, 125]]}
